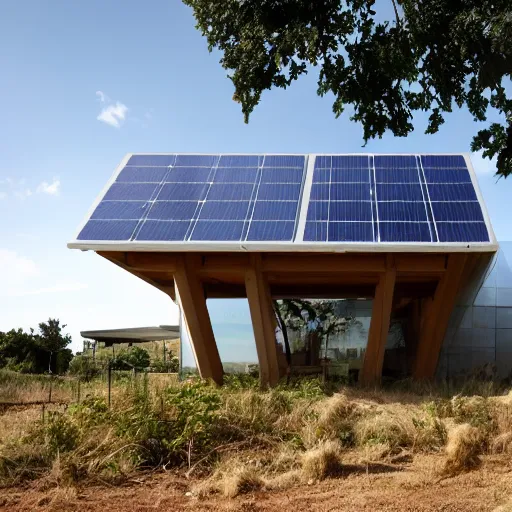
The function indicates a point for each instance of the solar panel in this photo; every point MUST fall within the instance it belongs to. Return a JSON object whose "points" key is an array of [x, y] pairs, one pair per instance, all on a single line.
{"points": [[300, 199], [201, 198]]}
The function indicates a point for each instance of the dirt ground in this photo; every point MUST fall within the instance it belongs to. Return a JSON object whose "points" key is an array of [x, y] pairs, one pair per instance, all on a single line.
{"points": [[408, 484]]}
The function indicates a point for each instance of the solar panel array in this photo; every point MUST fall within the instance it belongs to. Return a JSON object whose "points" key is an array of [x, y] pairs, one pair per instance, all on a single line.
{"points": [[201, 198], [248, 198]]}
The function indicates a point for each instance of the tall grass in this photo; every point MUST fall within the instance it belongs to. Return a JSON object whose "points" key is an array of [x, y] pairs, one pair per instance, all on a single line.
{"points": [[240, 438]]}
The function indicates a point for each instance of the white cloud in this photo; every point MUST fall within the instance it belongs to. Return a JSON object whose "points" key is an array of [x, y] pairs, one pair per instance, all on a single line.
{"points": [[21, 277], [114, 115], [16, 266], [483, 165], [23, 193], [49, 188], [102, 96], [3, 195]]}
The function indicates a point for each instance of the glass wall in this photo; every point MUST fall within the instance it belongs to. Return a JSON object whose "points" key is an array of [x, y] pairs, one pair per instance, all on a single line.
{"points": [[479, 338]]}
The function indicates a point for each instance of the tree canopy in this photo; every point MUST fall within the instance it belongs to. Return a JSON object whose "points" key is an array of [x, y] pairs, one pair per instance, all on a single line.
{"points": [[31, 352], [430, 56]]}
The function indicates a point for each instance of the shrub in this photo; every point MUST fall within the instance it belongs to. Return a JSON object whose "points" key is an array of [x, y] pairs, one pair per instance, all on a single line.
{"points": [[61, 434]]}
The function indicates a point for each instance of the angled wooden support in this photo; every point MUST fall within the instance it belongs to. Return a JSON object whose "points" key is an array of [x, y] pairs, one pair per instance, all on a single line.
{"points": [[371, 372], [436, 316], [263, 321], [193, 303]]}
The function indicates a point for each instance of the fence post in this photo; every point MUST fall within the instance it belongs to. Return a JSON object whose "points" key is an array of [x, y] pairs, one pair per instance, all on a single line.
{"points": [[50, 392], [109, 378]]}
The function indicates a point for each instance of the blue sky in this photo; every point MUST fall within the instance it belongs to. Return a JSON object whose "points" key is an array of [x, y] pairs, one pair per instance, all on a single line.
{"points": [[84, 83]]}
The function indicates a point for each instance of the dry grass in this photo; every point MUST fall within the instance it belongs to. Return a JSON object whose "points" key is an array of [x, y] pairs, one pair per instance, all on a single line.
{"points": [[502, 443], [463, 448], [507, 507], [280, 437], [231, 478], [322, 461]]}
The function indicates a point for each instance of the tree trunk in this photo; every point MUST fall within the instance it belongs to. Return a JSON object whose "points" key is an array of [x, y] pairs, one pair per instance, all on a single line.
{"points": [[282, 326]]}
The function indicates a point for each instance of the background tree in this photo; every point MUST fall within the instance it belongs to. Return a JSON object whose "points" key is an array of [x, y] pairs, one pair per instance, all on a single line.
{"points": [[134, 358], [53, 341], [31, 352], [314, 316], [430, 56]]}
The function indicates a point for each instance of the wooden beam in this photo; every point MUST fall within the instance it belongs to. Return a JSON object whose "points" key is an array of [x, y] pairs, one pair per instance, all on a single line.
{"points": [[420, 263], [152, 261], [119, 259], [326, 263], [193, 303], [436, 316], [371, 372], [263, 322]]}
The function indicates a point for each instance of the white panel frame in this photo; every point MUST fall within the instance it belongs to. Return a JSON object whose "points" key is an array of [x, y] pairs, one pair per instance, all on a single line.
{"points": [[295, 246]]}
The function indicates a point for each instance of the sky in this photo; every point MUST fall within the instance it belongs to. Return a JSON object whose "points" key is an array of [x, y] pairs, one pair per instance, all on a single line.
{"points": [[84, 83]]}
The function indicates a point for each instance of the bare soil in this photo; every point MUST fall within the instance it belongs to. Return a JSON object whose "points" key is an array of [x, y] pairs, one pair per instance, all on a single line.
{"points": [[403, 484]]}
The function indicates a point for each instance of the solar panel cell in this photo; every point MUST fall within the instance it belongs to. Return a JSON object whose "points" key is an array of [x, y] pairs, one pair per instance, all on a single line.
{"points": [[142, 174], [162, 231], [230, 192], [395, 161], [189, 175], [150, 160], [111, 230], [462, 232], [196, 160], [281, 175], [349, 162], [235, 175], [319, 192], [350, 232], [131, 192], [458, 192], [350, 175], [447, 176], [133, 210], [172, 210], [240, 160], [443, 161], [350, 192], [284, 192], [271, 231], [399, 192], [284, 161], [453, 211], [213, 230], [402, 211], [391, 175], [404, 232], [183, 192], [224, 210], [318, 210], [275, 210], [315, 232], [350, 211]]}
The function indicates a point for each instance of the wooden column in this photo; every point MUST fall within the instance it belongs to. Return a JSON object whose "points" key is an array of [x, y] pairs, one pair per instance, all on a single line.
{"points": [[371, 372], [436, 316], [193, 302], [263, 321]]}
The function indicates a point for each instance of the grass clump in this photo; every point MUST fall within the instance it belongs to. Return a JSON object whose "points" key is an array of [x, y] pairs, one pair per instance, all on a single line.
{"points": [[463, 448], [322, 462]]}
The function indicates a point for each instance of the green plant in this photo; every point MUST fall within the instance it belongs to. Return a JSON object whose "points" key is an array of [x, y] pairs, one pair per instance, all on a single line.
{"points": [[61, 434]]}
